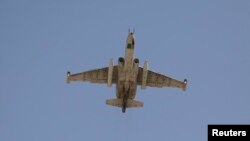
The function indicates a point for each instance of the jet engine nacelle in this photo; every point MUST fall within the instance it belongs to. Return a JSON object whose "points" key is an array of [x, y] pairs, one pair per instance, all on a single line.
{"points": [[136, 64], [110, 72], [144, 75], [136, 61], [121, 62]]}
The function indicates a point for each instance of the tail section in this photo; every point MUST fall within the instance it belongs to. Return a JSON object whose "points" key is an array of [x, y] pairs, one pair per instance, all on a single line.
{"points": [[133, 103], [119, 103], [114, 102]]}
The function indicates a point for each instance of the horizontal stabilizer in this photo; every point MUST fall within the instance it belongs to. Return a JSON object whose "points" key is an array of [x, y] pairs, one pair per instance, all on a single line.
{"points": [[133, 103], [130, 103], [114, 102]]}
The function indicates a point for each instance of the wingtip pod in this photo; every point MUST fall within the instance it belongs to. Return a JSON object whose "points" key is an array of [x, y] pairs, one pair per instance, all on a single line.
{"points": [[68, 77], [185, 85]]}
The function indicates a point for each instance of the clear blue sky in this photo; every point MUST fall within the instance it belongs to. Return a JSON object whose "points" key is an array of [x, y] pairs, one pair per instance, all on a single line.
{"points": [[207, 42]]}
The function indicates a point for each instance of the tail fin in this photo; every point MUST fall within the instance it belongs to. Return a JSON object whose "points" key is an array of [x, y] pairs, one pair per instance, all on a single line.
{"points": [[118, 103]]}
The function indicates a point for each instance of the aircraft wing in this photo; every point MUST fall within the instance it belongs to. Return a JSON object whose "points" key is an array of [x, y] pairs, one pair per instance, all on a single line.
{"points": [[93, 76], [155, 79]]}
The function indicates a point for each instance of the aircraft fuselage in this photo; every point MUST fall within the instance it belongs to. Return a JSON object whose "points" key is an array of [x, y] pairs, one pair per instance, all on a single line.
{"points": [[127, 73]]}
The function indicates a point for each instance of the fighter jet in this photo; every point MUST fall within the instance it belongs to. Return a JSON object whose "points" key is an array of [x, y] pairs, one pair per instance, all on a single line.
{"points": [[126, 75]]}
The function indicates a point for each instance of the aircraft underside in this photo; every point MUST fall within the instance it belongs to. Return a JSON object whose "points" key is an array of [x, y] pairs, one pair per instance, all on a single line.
{"points": [[127, 75]]}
